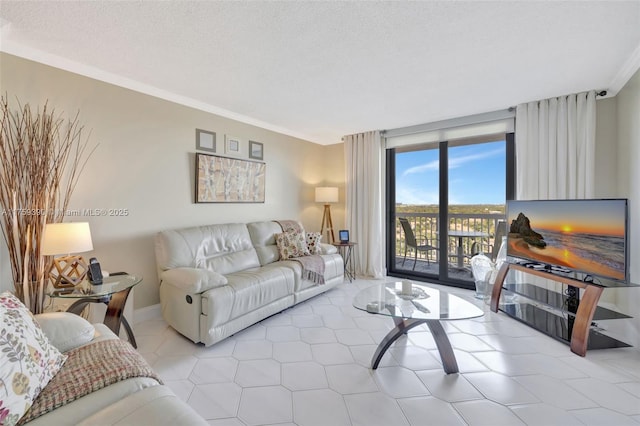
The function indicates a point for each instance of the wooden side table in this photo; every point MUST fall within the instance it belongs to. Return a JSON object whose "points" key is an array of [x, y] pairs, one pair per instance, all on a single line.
{"points": [[345, 250], [113, 292]]}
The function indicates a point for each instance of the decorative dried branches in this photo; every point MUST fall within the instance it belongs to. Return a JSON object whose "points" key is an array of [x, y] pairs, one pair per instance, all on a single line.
{"points": [[41, 159]]}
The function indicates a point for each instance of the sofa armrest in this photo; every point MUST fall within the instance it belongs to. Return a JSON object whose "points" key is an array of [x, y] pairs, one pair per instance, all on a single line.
{"points": [[328, 248], [65, 330], [193, 280]]}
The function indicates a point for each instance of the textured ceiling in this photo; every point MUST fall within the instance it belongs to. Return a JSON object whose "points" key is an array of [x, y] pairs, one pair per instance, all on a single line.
{"points": [[320, 70]]}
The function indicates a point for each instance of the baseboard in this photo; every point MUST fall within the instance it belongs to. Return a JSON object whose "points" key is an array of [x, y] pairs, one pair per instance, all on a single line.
{"points": [[147, 313]]}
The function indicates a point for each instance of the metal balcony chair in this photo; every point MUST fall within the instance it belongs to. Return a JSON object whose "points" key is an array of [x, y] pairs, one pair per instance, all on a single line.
{"points": [[410, 241]]}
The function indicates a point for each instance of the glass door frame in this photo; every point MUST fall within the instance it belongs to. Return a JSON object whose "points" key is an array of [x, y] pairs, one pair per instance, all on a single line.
{"points": [[443, 222]]}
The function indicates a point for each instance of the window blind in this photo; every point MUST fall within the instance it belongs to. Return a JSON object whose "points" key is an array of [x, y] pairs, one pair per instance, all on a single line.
{"points": [[491, 123]]}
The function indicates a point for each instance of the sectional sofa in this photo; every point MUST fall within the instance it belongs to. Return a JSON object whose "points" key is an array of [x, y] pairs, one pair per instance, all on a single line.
{"points": [[216, 280]]}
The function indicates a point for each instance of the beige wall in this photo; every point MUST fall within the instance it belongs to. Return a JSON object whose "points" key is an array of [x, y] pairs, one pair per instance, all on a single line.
{"points": [[628, 121], [145, 163], [606, 150]]}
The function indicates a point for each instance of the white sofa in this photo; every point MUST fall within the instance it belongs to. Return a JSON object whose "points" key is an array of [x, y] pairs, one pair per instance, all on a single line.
{"points": [[135, 401], [216, 280]]}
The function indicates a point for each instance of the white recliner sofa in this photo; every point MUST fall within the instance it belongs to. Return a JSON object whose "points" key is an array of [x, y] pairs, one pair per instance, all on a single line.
{"points": [[133, 401], [216, 280]]}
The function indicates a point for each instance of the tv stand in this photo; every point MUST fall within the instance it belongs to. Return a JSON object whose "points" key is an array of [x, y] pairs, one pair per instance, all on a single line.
{"points": [[566, 317]]}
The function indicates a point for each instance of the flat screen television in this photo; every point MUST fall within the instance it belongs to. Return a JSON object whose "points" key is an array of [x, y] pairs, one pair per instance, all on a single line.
{"points": [[588, 236]]}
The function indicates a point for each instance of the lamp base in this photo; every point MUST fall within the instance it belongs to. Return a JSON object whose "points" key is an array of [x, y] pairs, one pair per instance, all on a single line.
{"points": [[68, 271], [326, 219]]}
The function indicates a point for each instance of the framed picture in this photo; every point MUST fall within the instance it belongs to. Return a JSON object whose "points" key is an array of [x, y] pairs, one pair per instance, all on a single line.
{"points": [[256, 150], [205, 141], [229, 180], [343, 234], [233, 146]]}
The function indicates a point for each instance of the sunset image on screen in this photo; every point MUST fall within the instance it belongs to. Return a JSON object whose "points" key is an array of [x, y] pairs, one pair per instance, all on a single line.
{"points": [[584, 235]]}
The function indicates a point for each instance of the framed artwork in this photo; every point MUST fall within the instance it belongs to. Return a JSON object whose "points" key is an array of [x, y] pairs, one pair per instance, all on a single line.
{"points": [[233, 146], [229, 180], [205, 141], [256, 150]]}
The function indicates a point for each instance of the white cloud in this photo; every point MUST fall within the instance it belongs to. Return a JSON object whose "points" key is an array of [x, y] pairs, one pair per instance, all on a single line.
{"points": [[406, 195], [454, 162], [431, 166]]}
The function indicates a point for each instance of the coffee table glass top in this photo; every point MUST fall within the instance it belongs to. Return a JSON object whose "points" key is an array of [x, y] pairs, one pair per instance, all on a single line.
{"points": [[423, 302], [110, 285]]}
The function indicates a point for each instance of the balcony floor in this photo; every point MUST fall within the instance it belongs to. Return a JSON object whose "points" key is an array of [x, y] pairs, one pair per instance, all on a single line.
{"points": [[432, 268]]}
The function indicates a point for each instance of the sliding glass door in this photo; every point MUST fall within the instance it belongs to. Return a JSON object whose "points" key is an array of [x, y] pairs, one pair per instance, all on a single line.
{"points": [[445, 200]]}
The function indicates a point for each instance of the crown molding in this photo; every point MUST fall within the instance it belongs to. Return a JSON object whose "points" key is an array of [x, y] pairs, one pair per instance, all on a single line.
{"points": [[65, 64], [631, 66]]}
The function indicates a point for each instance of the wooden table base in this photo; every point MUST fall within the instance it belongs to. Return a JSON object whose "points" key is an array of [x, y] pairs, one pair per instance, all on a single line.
{"points": [[114, 317]]}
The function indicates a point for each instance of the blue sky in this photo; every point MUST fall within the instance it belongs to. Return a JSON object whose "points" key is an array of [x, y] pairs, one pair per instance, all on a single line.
{"points": [[476, 175]]}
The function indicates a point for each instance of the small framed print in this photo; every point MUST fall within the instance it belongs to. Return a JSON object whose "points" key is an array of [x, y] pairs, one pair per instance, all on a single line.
{"points": [[256, 150], [233, 146], [344, 236], [205, 141]]}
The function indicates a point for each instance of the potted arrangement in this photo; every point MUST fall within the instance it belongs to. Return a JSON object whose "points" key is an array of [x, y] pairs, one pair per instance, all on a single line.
{"points": [[41, 158]]}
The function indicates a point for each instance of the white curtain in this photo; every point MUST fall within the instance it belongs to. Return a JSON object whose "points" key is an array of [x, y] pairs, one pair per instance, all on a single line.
{"points": [[364, 206], [555, 146]]}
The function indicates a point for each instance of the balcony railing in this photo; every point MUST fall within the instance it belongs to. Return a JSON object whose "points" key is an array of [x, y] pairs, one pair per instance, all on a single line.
{"points": [[426, 229]]}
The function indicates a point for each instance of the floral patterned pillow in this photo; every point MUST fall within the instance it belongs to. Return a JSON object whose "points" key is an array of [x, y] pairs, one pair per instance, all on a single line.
{"points": [[29, 361], [313, 242], [291, 244]]}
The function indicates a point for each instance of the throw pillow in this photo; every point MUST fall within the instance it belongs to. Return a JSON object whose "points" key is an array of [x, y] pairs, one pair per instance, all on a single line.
{"points": [[313, 242], [29, 360], [65, 330], [291, 244]]}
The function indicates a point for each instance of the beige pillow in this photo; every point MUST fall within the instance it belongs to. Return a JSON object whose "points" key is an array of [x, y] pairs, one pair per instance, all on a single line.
{"points": [[29, 360], [291, 244], [65, 330]]}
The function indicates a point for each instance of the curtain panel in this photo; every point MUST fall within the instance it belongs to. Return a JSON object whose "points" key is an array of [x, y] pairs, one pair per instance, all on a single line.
{"points": [[364, 154], [555, 147]]}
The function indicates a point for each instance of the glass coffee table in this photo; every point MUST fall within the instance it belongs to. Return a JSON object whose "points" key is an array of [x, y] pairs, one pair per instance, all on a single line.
{"points": [[411, 305]]}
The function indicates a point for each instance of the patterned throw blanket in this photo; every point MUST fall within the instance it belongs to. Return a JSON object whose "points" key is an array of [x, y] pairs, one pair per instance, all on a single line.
{"points": [[88, 369], [313, 265]]}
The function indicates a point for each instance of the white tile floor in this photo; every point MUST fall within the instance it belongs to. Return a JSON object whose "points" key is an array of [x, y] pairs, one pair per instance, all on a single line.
{"points": [[309, 365]]}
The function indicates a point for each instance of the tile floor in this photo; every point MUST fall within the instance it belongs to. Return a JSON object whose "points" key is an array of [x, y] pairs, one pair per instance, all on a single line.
{"points": [[309, 365]]}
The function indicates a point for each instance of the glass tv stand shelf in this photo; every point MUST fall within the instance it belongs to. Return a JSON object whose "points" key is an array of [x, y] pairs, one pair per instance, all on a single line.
{"points": [[566, 316]]}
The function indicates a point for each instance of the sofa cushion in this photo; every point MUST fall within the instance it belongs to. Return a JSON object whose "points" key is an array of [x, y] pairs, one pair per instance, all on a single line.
{"points": [[29, 359], [65, 330], [247, 291], [223, 248], [333, 267], [291, 244], [313, 242], [263, 237]]}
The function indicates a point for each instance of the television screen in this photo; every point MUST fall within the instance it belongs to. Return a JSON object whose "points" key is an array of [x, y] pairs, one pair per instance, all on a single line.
{"points": [[588, 236]]}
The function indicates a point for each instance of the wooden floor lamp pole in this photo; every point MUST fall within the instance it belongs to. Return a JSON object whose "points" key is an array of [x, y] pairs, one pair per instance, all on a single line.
{"points": [[326, 219]]}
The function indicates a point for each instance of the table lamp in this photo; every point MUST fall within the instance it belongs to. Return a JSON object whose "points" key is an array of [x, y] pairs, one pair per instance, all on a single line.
{"points": [[66, 239], [327, 195]]}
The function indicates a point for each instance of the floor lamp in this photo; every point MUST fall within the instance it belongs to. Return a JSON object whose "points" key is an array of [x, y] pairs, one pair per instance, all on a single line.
{"points": [[327, 195]]}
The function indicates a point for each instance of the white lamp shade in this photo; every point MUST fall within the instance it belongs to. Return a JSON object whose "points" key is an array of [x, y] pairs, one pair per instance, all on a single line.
{"points": [[66, 238], [327, 194]]}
